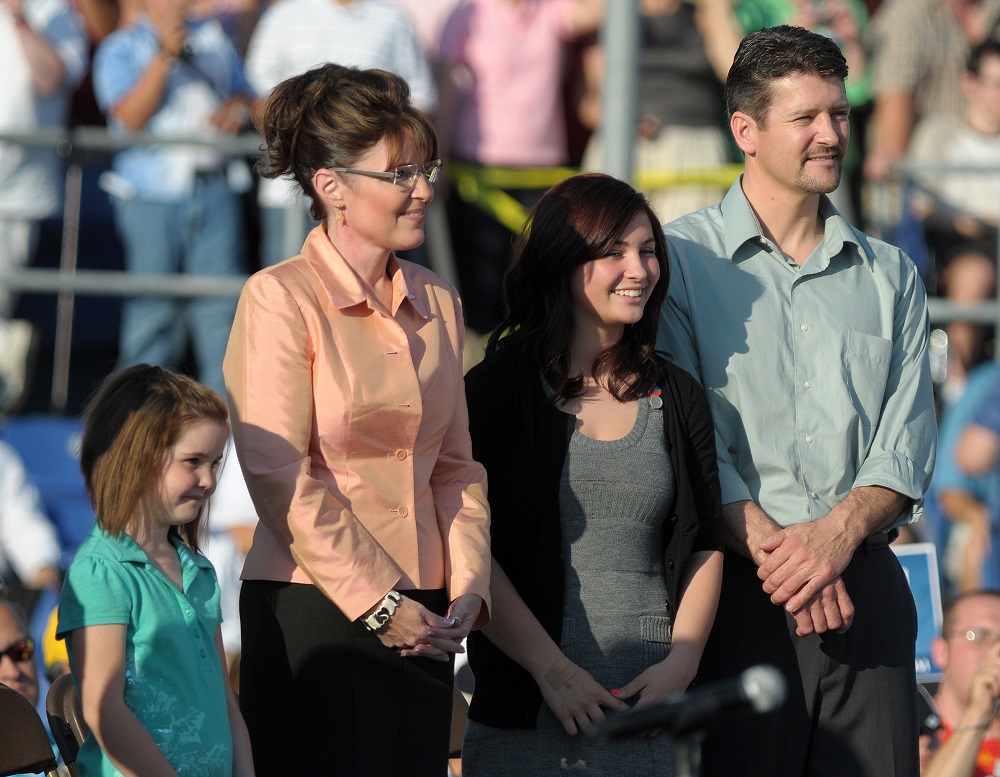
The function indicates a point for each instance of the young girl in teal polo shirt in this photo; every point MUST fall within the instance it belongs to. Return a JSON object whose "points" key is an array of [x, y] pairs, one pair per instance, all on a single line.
{"points": [[140, 604]]}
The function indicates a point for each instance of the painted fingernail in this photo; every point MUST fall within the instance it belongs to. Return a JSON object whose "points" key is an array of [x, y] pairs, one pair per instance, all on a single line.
{"points": [[616, 691]]}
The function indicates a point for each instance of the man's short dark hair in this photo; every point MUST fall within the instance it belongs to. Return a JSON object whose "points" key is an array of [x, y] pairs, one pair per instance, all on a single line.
{"points": [[773, 53], [989, 48], [951, 604]]}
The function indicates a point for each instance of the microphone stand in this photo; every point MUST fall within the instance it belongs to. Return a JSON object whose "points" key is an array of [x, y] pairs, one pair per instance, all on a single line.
{"points": [[689, 753]]}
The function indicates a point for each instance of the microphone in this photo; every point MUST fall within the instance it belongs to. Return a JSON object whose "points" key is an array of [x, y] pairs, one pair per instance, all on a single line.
{"points": [[759, 689]]}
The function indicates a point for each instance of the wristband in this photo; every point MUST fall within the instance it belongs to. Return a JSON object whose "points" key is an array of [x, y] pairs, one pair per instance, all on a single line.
{"points": [[383, 612]]}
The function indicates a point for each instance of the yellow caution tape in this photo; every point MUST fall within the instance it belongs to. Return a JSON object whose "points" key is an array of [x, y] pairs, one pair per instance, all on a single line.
{"points": [[483, 186]]}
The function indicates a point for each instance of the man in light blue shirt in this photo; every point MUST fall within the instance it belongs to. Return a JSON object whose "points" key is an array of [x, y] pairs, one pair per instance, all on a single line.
{"points": [[176, 206], [810, 339]]}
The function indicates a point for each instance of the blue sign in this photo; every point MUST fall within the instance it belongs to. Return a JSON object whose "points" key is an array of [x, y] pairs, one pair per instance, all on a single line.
{"points": [[919, 562]]}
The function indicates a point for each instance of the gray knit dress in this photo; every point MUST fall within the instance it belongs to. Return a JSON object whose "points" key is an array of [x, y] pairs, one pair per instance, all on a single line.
{"points": [[613, 499]]}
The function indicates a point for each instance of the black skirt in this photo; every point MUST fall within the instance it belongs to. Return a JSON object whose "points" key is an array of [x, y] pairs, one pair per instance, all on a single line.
{"points": [[322, 695]]}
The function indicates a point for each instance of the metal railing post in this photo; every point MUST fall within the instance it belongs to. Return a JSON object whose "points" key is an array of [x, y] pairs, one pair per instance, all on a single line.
{"points": [[65, 301], [620, 96]]}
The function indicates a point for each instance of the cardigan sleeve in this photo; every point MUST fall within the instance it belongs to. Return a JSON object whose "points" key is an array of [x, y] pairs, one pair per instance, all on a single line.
{"points": [[702, 463]]}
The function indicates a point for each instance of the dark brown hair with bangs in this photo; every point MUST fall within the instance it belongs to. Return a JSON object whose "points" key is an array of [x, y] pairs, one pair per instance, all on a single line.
{"points": [[333, 115], [129, 426], [575, 222]]}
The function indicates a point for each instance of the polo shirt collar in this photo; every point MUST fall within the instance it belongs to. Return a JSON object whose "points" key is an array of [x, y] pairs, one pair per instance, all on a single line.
{"points": [[740, 225], [343, 285], [124, 546], [127, 549]]}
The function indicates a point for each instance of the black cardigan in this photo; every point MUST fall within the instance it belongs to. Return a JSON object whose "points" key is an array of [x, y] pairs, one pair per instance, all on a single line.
{"points": [[522, 439]]}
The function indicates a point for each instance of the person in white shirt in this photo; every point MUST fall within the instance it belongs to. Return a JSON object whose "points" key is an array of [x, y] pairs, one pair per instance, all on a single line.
{"points": [[295, 35], [29, 545], [43, 57]]}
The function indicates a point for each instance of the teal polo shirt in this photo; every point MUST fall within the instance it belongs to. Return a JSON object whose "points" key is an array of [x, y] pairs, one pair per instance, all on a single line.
{"points": [[173, 675]]}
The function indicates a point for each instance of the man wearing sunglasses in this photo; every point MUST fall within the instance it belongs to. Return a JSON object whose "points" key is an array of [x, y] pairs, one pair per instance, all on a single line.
{"points": [[968, 698], [17, 653]]}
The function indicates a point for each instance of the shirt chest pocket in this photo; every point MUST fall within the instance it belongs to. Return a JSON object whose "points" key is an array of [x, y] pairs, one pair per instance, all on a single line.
{"points": [[865, 361]]}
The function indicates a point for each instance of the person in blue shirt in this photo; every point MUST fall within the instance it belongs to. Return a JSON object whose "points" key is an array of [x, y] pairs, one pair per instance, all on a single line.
{"points": [[977, 453], [176, 207], [959, 514]]}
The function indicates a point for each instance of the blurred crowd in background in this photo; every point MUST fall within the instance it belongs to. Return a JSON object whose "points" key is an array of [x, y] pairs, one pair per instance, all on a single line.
{"points": [[514, 88]]}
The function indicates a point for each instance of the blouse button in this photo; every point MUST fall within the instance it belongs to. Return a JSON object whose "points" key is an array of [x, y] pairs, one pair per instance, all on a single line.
{"points": [[400, 454], [804, 327], [403, 512], [809, 439]]}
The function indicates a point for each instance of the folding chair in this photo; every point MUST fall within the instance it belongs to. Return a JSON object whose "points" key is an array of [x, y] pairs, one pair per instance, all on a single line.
{"points": [[24, 745], [62, 705]]}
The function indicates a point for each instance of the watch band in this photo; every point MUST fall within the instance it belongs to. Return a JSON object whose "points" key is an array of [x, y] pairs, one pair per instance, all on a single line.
{"points": [[383, 612]]}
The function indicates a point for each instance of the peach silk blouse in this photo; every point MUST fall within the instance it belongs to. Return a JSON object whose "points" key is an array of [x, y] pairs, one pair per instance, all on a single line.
{"points": [[352, 430]]}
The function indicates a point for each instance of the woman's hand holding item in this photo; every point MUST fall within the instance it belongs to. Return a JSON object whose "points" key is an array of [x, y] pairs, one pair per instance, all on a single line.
{"points": [[575, 697], [441, 640]]}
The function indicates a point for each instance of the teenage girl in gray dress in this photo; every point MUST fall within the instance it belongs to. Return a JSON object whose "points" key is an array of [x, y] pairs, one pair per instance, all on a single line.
{"points": [[603, 490]]}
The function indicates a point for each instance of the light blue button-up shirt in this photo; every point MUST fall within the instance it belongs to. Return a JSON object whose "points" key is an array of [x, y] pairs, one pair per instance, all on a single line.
{"points": [[192, 94], [817, 376]]}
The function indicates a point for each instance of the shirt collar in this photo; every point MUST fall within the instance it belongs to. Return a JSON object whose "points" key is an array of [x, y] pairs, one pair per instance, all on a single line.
{"points": [[142, 22], [741, 226], [345, 288], [128, 549]]}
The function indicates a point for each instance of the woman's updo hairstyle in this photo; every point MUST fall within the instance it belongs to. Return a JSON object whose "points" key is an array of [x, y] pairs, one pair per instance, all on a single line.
{"points": [[333, 115]]}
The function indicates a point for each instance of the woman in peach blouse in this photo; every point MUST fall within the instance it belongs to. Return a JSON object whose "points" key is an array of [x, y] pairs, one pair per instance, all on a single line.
{"points": [[344, 370]]}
